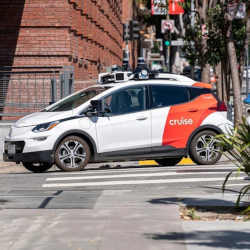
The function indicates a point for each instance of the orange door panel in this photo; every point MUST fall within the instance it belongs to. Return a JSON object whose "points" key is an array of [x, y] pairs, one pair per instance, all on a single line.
{"points": [[183, 119]]}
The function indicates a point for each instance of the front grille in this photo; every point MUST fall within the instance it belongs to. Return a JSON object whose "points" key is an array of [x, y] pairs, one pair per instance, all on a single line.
{"points": [[19, 146]]}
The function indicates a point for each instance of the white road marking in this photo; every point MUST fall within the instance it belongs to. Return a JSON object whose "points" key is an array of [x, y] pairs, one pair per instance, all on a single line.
{"points": [[135, 182], [130, 175], [142, 169]]}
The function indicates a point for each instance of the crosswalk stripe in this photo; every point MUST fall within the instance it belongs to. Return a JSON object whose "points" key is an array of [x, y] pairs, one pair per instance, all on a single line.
{"points": [[136, 182], [130, 175], [139, 169]]}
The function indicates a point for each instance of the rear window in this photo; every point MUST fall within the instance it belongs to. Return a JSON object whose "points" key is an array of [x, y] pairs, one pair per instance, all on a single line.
{"points": [[195, 92], [167, 95]]}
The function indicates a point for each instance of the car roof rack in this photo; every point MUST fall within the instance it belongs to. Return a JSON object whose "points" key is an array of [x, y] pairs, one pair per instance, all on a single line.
{"points": [[141, 74], [115, 77], [171, 77]]}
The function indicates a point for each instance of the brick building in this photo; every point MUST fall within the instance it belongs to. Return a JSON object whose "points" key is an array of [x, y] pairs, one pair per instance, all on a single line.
{"points": [[84, 34]]}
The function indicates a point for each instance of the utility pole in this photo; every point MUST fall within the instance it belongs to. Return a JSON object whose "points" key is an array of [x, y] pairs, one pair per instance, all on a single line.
{"points": [[168, 49], [247, 51], [247, 78], [192, 25], [126, 38]]}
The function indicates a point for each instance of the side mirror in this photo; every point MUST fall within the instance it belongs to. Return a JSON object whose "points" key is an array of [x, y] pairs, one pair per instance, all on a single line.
{"points": [[97, 105], [95, 108]]}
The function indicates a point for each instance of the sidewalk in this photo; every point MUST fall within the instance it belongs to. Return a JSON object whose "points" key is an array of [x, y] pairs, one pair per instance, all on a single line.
{"points": [[122, 220]]}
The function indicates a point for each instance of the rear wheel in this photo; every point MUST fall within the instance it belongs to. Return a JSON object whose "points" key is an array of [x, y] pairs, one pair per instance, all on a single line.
{"points": [[168, 161], [72, 154], [204, 148], [37, 167]]}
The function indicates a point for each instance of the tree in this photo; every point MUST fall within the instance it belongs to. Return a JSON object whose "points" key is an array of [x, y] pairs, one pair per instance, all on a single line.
{"points": [[214, 39], [218, 39]]}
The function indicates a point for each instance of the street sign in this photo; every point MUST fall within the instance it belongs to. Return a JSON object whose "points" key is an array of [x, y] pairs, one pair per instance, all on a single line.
{"points": [[167, 25], [179, 42], [174, 8], [158, 7]]}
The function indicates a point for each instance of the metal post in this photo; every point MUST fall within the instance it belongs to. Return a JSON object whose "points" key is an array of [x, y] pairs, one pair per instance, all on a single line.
{"points": [[247, 79], [192, 25], [67, 81], [53, 90]]}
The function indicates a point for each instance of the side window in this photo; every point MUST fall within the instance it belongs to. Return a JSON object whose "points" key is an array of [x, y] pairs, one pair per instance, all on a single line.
{"points": [[127, 100], [195, 92], [167, 95]]}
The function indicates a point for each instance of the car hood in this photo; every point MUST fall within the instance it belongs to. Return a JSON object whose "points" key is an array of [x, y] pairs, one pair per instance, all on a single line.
{"points": [[42, 117]]}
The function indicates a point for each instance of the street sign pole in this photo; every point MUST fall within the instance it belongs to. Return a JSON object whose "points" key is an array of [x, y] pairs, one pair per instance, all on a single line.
{"points": [[169, 56], [167, 27], [247, 79]]}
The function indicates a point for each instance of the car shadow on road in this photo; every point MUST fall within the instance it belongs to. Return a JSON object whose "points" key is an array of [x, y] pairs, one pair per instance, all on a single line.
{"points": [[97, 168]]}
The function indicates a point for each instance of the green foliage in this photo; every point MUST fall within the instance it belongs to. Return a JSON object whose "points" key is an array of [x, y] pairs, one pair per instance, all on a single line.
{"points": [[192, 214], [215, 35], [237, 149]]}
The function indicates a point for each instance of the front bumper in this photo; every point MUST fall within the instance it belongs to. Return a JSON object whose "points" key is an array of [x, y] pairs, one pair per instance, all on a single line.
{"points": [[42, 156], [22, 148]]}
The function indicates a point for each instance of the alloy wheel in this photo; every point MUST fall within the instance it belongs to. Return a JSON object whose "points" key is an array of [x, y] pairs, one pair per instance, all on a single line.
{"points": [[72, 154]]}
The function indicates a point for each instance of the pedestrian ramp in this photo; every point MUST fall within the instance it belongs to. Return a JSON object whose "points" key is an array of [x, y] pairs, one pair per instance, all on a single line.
{"points": [[136, 177]]}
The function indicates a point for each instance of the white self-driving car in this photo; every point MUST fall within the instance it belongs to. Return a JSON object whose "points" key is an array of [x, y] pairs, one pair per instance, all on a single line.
{"points": [[165, 118]]}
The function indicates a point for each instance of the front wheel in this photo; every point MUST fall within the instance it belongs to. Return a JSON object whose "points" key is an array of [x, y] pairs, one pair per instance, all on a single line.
{"points": [[72, 154], [168, 161], [37, 167], [204, 148]]}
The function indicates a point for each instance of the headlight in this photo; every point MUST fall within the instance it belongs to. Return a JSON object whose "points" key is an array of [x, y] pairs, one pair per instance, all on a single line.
{"points": [[45, 127]]}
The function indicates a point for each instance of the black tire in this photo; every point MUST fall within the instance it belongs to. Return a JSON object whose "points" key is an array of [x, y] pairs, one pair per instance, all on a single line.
{"points": [[168, 161], [204, 149], [37, 167], [72, 154]]}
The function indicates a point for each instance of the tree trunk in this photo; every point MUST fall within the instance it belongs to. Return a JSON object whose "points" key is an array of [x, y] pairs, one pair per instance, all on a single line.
{"points": [[224, 80], [235, 81], [205, 75], [219, 82]]}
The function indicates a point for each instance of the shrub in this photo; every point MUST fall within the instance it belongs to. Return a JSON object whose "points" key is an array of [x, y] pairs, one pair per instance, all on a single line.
{"points": [[236, 145]]}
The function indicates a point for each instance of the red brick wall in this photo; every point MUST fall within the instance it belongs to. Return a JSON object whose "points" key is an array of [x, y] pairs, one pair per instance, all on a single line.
{"points": [[86, 34], [61, 32]]}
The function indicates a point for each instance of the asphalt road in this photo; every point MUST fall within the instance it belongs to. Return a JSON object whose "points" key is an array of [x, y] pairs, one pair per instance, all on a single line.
{"points": [[62, 190], [115, 207]]}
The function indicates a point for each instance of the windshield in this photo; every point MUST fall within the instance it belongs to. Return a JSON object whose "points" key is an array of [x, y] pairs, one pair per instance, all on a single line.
{"points": [[76, 100]]}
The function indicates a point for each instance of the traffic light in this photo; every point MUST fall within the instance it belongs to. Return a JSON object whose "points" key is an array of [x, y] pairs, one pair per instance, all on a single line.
{"points": [[126, 32], [131, 30], [134, 30], [167, 38]]}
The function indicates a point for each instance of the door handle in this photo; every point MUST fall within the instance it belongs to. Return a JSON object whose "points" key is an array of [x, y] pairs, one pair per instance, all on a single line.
{"points": [[141, 118]]}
